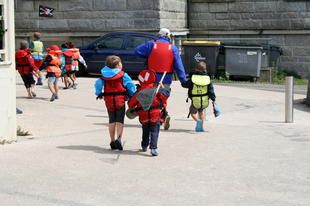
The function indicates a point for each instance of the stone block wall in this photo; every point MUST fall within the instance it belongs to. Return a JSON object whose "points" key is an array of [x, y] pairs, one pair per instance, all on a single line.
{"points": [[286, 22], [85, 20]]}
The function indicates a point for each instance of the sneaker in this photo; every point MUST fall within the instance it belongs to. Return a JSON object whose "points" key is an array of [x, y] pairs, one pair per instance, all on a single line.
{"points": [[33, 94], [53, 96], [198, 125], [69, 85], [202, 130], [118, 144], [113, 145], [18, 111], [65, 88], [74, 85], [144, 149], [167, 122], [29, 97], [57, 97], [39, 81], [154, 152]]}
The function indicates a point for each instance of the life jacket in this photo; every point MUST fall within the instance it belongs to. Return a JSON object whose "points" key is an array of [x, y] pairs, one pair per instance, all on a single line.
{"points": [[152, 115], [76, 55], [161, 58], [68, 56], [114, 91], [199, 95], [23, 66], [37, 49], [54, 65]]}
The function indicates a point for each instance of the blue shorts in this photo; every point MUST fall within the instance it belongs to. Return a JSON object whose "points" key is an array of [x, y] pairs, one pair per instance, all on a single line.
{"points": [[53, 80], [28, 80]]}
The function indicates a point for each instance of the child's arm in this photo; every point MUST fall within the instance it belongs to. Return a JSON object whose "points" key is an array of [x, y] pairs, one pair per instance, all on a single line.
{"points": [[129, 85], [211, 92], [99, 84]]}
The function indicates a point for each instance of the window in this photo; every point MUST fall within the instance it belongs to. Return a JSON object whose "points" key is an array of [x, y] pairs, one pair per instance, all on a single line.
{"points": [[135, 41], [111, 42]]}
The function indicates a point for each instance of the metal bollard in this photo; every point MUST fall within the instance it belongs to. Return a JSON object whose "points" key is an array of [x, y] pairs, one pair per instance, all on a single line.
{"points": [[289, 97]]}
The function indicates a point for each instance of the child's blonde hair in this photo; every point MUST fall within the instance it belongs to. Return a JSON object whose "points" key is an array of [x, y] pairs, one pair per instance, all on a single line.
{"points": [[36, 35], [201, 66], [112, 61]]}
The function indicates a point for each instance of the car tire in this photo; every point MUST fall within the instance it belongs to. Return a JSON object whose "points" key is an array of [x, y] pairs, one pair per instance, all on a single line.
{"points": [[81, 71]]}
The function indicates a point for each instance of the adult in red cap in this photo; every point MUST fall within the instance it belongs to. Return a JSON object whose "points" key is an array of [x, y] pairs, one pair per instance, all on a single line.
{"points": [[53, 63]]}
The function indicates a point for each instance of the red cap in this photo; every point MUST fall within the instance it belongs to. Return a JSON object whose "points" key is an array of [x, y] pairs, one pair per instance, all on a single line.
{"points": [[53, 47]]}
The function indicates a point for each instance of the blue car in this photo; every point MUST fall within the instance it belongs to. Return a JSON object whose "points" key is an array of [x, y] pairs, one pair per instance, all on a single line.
{"points": [[122, 44]]}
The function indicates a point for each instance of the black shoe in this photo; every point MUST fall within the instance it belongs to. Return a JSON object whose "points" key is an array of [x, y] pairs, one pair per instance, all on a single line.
{"points": [[112, 145], [118, 144]]}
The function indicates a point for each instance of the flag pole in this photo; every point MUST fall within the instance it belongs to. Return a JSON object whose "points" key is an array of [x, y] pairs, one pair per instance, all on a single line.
{"points": [[39, 18]]}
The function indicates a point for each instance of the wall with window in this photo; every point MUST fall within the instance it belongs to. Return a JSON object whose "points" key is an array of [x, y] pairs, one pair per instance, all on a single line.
{"points": [[286, 22], [7, 73]]}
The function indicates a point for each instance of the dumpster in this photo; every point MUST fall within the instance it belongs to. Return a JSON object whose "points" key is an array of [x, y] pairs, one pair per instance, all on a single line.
{"points": [[205, 51], [271, 55], [243, 61]]}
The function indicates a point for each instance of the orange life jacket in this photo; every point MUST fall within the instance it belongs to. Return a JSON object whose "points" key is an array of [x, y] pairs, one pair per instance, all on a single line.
{"points": [[76, 55], [54, 65], [161, 58]]}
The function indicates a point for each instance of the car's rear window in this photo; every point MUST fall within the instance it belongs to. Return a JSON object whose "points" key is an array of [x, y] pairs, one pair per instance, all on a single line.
{"points": [[135, 41]]}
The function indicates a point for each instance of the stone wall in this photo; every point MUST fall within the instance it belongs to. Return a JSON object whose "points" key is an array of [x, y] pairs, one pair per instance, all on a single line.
{"points": [[287, 23], [85, 20]]}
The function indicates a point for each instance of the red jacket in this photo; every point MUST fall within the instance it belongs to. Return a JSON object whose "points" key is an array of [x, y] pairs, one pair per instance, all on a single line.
{"points": [[24, 62], [151, 116], [114, 92]]}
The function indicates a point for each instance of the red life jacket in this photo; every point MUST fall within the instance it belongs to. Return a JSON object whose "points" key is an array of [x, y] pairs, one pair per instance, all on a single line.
{"points": [[23, 66], [68, 56], [161, 58], [151, 116], [114, 92]]}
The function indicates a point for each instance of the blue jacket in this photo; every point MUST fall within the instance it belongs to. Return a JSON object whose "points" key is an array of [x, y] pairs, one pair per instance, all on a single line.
{"points": [[109, 73], [145, 50]]}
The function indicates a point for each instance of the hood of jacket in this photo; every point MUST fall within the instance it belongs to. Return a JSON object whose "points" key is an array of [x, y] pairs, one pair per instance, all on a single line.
{"points": [[22, 52], [109, 73]]}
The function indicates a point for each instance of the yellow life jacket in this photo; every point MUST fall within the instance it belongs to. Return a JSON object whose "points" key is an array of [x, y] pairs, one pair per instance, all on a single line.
{"points": [[37, 48], [76, 55], [200, 96]]}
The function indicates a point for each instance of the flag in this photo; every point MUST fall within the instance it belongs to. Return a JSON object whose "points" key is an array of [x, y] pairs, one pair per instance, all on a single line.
{"points": [[45, 11]]}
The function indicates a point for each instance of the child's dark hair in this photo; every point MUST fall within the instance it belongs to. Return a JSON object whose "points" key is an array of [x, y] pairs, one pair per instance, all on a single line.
{"points": [[70, 44], [112, 61], [64, 45], [201, 66]]}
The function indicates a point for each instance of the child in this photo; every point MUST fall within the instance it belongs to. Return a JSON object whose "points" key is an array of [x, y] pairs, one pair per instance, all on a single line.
{"points": [[117, 84], [77, 58], [149, 119], [67, 57], [53, 63], [25, 65], [200, 91], [36, 47]]}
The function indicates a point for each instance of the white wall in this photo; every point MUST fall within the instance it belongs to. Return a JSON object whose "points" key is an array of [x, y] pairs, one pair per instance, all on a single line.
{"points": [[7, 75]]}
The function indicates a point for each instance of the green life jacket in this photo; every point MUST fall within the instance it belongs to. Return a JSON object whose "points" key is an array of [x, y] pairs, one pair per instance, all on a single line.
{"points": [[200, 96], [37, 48]]}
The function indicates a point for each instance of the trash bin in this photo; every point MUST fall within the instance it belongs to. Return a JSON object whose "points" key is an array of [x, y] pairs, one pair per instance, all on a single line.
{"points": [[271, 55], [243, 61], [197, 51]]}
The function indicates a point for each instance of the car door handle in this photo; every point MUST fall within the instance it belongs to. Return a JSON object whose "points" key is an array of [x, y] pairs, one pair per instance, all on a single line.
{"points": [[117, 54]]}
